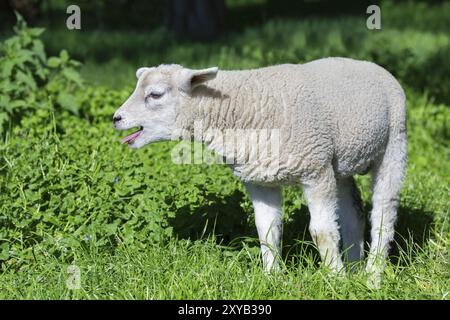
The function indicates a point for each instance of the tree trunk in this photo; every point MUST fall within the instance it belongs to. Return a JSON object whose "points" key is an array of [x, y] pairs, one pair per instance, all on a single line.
{"points": [[196, 19], [29, 9]]}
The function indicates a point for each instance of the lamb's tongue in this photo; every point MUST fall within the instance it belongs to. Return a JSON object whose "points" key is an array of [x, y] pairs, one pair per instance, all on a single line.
{"points": [[132, 136]]}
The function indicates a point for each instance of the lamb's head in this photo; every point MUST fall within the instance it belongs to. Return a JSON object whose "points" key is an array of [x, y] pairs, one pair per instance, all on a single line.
{"points": [[156, 102]]}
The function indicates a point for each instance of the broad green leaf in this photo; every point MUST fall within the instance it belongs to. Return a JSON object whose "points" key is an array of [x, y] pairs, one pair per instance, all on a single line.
{"points": [[73, 75], [4, 247], [68, 102], [36, 32], [26, 79], [6, 68], [38, 49], [53, 62], [64, 56]]}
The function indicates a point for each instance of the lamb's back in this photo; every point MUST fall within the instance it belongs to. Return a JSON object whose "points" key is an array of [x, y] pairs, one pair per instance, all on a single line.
{"points": [[356, 98], [338, 109], [332, 109]]}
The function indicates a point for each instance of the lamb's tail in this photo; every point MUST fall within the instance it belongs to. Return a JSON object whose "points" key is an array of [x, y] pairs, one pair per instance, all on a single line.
{"points": [[397, 110]]}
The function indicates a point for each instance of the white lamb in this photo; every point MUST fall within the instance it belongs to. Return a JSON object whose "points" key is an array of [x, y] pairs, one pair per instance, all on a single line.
{"points": [[333, 117]]}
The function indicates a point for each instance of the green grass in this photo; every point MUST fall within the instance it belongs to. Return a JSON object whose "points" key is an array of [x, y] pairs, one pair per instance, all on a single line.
{"points": [[204, 270], [139, 226]]}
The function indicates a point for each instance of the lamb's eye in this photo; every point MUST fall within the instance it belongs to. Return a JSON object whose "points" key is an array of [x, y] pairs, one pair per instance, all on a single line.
{"points": [[155, 95]]}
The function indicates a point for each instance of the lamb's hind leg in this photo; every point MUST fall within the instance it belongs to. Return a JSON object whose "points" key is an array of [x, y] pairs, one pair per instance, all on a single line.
{"points": [[321, 195], [351, 219], [267, 203], [388, 177]]}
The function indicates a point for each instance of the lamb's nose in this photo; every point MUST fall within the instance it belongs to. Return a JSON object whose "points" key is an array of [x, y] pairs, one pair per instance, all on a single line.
{"points": [[117, 118]]}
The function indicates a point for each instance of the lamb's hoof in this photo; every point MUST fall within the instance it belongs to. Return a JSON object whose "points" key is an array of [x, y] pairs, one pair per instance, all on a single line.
{"points": [[275, 268], [373, 277], [340, 273], [374, 281], [337, 270]]}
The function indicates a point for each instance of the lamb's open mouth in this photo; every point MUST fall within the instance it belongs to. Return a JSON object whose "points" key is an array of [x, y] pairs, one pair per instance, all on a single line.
{"points": [[130, 139]]}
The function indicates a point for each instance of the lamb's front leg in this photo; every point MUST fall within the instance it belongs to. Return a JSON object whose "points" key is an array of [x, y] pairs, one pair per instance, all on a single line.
{"points": [[267, 203], [321, 195]]}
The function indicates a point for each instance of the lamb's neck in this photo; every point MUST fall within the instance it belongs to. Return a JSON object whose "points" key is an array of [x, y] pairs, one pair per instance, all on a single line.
{"points": [[214, 108]]}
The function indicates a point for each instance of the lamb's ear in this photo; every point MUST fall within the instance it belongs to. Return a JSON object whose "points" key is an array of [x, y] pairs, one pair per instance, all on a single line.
{"points": [[140, 71], [193, 78]]}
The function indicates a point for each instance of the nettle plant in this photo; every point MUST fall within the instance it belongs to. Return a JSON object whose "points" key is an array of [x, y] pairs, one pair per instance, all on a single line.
{"points": [[30, 80]]}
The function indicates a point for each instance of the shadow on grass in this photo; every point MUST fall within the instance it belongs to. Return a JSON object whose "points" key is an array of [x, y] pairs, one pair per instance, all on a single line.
{"points": [[226, 220], [223, 217], [414, 226]]}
